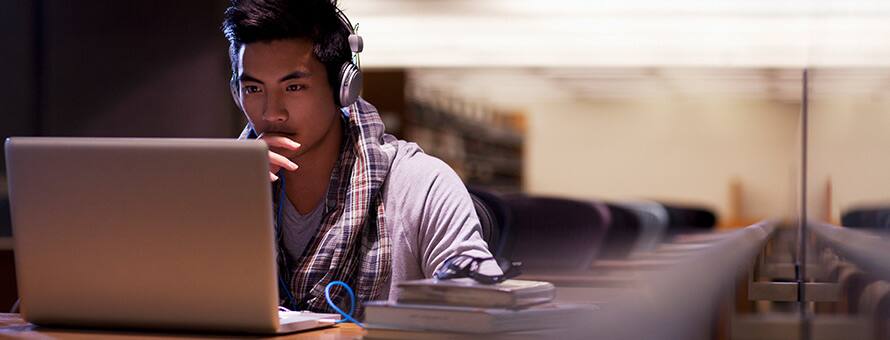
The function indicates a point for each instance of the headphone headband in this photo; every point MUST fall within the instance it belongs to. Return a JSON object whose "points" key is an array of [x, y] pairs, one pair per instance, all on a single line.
{"points": [[355, 41]]}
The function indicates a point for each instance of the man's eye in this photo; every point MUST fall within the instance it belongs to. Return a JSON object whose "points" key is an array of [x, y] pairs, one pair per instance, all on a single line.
{"points": [[295, 87], [251, 89]]}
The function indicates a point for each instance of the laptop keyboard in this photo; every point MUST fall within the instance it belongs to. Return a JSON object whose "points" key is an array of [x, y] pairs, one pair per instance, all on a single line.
{"points": [[296, 316]]}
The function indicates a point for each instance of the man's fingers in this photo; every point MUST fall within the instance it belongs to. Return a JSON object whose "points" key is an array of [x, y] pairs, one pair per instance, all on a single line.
{"points": [[281, 161], [276, 160], [281, 145], [281, 142]]}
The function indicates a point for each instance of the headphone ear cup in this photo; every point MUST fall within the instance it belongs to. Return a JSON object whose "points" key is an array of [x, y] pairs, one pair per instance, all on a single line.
{"points": [[350, 85]]}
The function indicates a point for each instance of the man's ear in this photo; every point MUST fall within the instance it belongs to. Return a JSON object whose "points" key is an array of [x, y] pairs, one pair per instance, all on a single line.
{"points": [[248, 132], [236, 93]]}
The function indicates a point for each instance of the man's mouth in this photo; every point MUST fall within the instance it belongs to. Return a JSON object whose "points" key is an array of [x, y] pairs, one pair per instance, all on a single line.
{"points": [[278, 133]]}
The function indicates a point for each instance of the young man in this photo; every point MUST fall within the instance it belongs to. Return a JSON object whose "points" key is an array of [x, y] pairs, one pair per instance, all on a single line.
{"points": [[353, 204]]}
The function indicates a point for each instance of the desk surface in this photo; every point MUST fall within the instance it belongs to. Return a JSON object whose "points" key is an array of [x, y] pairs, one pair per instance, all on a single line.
{"points": [[12, 326]]}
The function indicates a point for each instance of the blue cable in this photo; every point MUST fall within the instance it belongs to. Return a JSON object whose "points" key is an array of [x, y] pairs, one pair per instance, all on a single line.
{"points": [[327, 289], [346, 316]]}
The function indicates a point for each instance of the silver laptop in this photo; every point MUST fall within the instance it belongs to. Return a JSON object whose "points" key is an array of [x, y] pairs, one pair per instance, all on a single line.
{"points": [[147, 233]]}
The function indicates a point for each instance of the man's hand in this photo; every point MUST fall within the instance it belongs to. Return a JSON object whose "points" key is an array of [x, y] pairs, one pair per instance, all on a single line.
{"points": [[281, 149]]}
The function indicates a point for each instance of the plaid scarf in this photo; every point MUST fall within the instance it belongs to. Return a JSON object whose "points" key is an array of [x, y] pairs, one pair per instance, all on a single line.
{"points": [[352, 244]]}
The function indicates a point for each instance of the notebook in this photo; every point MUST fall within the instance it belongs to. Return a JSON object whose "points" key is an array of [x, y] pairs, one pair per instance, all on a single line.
{"points": [[147, 233], [468, 292]]}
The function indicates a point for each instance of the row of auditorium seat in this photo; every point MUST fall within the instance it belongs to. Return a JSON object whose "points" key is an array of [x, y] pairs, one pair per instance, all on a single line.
{"points": [[874, 217], [552, 234]]}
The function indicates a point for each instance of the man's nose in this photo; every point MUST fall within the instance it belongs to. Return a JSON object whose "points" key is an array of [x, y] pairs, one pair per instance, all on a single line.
{"points": [[275, 109]]}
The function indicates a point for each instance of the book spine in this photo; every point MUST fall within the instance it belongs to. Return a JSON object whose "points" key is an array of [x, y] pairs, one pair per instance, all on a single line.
{"points": [[460, 298]]}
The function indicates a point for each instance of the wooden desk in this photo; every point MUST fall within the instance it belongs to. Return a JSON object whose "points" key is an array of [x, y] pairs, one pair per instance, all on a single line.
{"points": [[12, 326]]}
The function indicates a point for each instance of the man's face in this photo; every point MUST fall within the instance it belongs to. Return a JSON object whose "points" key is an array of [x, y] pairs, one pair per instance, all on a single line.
{"points": [[284, 91]]}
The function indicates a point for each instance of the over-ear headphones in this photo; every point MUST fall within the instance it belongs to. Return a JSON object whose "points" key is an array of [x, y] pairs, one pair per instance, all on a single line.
{"points": [[348, 85], [349, 81]]}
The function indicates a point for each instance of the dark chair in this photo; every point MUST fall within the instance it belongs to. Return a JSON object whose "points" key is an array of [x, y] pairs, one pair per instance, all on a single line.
{"points": [[624, 231], [876, 218], [494, 216], [686, 219], [554, 234], [653, 220]]}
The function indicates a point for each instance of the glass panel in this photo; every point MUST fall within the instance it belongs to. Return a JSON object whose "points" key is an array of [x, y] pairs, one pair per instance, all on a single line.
{"points": [[849, 194]]}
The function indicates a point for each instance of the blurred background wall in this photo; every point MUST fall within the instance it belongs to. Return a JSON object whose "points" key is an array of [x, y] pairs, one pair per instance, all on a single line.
{"points": [[850, 143], [668, 149], [112, 68], [726, 138]]}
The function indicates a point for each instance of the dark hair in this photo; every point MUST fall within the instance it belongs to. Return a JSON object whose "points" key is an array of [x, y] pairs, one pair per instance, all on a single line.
{"points": [[248, 21]]}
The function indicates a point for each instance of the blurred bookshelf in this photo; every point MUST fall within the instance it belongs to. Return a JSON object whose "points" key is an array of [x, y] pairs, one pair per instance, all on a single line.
{"points": [[483, 144]]}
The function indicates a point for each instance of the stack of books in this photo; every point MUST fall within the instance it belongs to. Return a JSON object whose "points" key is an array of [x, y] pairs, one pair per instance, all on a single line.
{"points": [[463, 308]]}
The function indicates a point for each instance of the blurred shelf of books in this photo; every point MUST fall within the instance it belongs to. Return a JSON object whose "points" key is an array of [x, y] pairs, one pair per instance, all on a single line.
{"points": [[484, 145]]}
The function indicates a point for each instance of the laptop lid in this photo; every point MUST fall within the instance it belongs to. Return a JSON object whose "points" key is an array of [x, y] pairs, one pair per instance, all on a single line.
{"points": [[148, 233]]}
